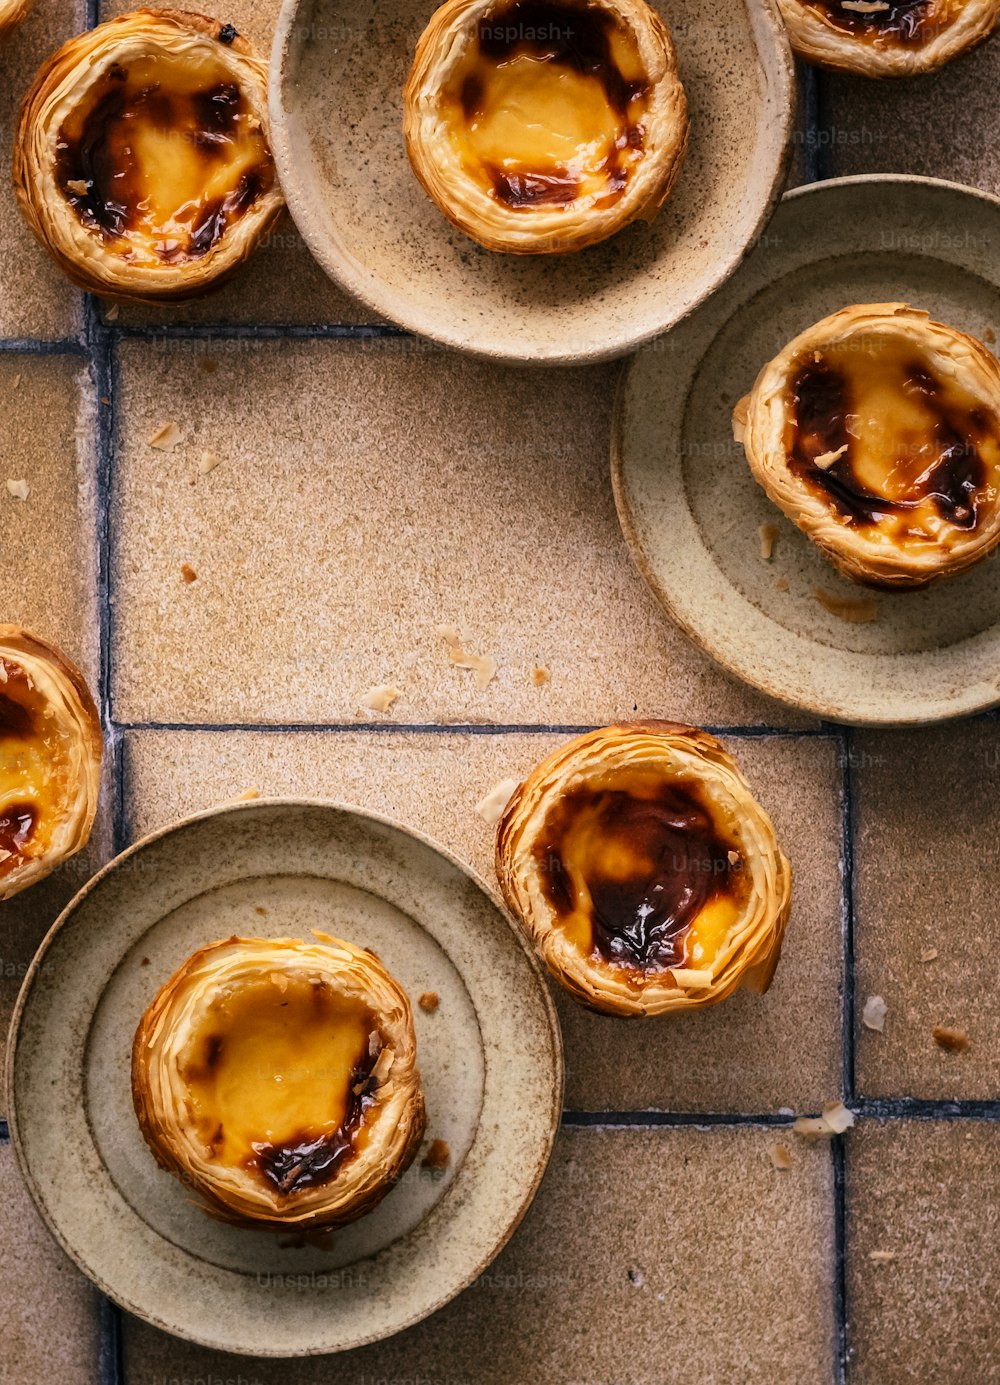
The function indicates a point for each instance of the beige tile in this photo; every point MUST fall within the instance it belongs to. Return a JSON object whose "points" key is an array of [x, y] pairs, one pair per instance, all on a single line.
{"points": [[37, 300], [368, 493], [734, 1057], [49, 1310], [926, 878], [937, 125], [930, 1192], [730, 1279]]}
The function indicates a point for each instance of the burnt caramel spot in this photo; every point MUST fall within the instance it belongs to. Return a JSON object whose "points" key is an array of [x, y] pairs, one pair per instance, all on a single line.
{"points": [[15, 719], [534, 189], [649, 859], [944, 468], [903, 21], [17, 825]]}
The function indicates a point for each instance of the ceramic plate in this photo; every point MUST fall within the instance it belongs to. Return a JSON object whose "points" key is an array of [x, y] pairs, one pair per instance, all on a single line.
{"points": [[691, 510], [490, 1059], [337, 74]]}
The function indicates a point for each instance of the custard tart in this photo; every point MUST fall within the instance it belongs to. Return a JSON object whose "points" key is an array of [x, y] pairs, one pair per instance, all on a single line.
{"points": [[278, 1080], [141, 156], [645, 873], [542, 126], [12, 12], [877, 431], [886, 38], [50, 759]]}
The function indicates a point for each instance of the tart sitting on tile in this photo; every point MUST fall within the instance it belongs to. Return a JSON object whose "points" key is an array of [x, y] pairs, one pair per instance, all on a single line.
{"points": [[886, 38], [542, 126], [278, 1079], [644, 871], [877, 430], [50, 759], [141, 155]]}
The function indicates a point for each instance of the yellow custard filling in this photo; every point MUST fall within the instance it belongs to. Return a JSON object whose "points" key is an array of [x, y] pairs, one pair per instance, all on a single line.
{"points": [[162, 155], [278, 1078], [546, 105], [35, 763]]}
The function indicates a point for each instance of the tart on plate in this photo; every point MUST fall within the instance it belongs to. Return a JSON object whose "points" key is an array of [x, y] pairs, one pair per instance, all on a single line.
{"points": [[886, 38], [50, 759], [278, 1080], [141, 155], [877, 431], [644, 871], [543, 126]]}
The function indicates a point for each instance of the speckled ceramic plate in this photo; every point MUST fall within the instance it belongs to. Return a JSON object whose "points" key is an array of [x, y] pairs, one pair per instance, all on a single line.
{"points": [[490, 1060], [337, 74], [691, 510]]}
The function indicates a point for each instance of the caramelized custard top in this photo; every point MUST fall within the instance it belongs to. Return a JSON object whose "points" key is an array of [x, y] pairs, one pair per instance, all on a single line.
{"points": [[890, 445], [278, 1077], [35, 764], [640, 873], [903, 22], [162, 156], [547, 105]]}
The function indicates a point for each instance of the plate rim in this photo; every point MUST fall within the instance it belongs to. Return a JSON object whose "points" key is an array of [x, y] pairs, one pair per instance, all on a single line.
{"points": [[348, 274], [934, 713], [556, 1083]]}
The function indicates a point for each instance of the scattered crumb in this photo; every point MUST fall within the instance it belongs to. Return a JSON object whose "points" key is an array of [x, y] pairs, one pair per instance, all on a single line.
{"points": [[380, 698], [836, 1118], [77, 185], [17, 380], [490, 808], [18, 489], [437, 1156], [166, 437], [144, 962], [855, 612], [111, 315], [989, 336], [540, 676], [247, 796], [767, 533], [825, 460], [733, 857], [428, 1001], [881, 1257], [209, 365], [952, 1040], [741, 413], [188, 573], [780, 1156], [929, 954], [208, 461], [260, 910], [873, 1015], [635, 1276], [781, 585], [482, 665]]}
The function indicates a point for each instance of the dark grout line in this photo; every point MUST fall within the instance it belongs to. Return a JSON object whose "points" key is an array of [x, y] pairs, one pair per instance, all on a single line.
{"points": [[840, 1309], [848, 907], [32, 346], [809, 82], [476, 728], [660, 1119], [238, 331], [920, 1108], [110, 1361]]}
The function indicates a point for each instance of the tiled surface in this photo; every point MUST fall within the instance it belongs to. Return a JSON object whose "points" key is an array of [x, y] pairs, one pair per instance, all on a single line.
{"points": [[369, 491], [928, 1193], [731, 1286]]}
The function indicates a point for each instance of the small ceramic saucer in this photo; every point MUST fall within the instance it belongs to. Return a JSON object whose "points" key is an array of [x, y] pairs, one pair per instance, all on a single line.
{"points": [[692, 513], [337, 74], [490, 1060]]}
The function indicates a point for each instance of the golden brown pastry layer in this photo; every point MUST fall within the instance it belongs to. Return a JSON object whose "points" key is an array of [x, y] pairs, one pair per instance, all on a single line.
{"points": [[886, 38], [540, 126], [279, 1080], [878, 432], [50, 759], [141, 157], [644, 871], [12, 13]]}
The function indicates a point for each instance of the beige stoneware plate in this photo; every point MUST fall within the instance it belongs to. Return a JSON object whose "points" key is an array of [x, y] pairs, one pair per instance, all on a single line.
{"points": [[490, 1059], [691, 510], [337, 73]]}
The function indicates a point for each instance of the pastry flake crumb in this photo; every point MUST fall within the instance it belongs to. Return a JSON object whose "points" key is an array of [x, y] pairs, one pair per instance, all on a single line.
{"points": [[380, 698], [490, 808], [825, 460], [166, 437], [836, 1118], [855, 611], [780, 1156], [77, 185], [692, 978], [929, 954], [208, 461], [733, 857], [482, 665], [781, 585], [741, 415], [437, 1155], [188, 573], [248, 795], [17, 381], [989, 336], [18, 489], [111, 315], [429, 1001], [864, 6], [874, 1013], [540, 675], [882, 1257], [951, 1040], [382, 1068], [767, 533]]}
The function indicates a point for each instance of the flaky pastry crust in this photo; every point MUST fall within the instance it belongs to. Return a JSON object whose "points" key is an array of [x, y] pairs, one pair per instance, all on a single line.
{"points": [[387, 1126], [886, 38], [13, 13], [50, 759], [96, 255], [745, 951]]}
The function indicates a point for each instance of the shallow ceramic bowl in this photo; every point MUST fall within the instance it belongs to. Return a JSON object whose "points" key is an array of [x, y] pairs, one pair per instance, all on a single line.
{"points": [[337, 74], [692, 511], [490, 1060]]}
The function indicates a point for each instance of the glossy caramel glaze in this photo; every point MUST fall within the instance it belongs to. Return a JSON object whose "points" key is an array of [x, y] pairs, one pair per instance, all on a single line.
{"points": [[34, 768], [162, 157], [899, 21], [639, 873], [899, 449], [547, 105]]}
